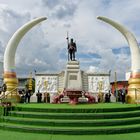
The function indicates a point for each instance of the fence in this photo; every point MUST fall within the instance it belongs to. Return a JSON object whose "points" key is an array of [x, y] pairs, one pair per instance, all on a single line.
{"points": [[7, 103], [137, 95]]}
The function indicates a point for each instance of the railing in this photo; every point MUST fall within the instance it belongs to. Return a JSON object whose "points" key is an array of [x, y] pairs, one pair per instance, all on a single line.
{"points": [[137, 91], [2, 97], [7, 103]]}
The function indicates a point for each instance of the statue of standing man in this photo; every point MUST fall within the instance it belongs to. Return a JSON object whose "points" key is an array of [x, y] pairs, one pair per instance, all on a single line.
{"points": [[71, 50]]}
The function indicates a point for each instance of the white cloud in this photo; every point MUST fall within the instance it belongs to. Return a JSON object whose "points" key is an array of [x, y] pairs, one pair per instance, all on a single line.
{"points": [[93, 69], [42, 48]]}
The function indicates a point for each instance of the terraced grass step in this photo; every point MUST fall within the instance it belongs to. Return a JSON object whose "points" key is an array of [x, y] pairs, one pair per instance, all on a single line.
{"points": [[72, 116], [73, 120], [72, 123], [72, 130], [78, 110]]}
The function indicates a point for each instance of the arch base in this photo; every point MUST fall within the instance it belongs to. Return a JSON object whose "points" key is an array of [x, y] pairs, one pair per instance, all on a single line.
{"points": [[133, 96], [12, 83]]}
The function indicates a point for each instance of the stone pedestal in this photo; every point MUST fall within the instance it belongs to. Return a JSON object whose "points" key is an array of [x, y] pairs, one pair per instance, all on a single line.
{"points": [[11, 82], [73, 95], [73, 76]]}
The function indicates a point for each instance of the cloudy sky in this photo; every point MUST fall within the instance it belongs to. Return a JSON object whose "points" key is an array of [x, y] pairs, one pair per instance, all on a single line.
{"points": [[44, 48]]}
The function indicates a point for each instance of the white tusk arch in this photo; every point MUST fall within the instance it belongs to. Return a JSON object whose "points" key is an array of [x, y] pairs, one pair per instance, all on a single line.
{"points": [[134, 48], [9, 55]]}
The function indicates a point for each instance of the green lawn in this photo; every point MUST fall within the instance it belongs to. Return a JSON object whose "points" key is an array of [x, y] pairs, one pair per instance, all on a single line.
{"points": [[100, 105], [8, 135], [11, 135]]}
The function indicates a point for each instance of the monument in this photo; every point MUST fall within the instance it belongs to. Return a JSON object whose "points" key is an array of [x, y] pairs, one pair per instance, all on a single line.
{"points": [[73, 76], [73, 81]]}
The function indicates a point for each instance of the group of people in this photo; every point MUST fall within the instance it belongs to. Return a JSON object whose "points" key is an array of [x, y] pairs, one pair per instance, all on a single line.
{"points": [[120, 95], [104, 97], [46, 97], [25, 96]]}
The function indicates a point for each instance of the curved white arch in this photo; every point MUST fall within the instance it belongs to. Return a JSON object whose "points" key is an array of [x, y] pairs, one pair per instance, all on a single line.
{"points": [[134, 48], [9, 55]]}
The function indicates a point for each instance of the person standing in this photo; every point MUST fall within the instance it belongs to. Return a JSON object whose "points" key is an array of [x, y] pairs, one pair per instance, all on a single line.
{"points": [[4, 88], [123, 93], [39, 97], [107, 97], [22, 96], [45, 97], [48, 98], [27, 96]]}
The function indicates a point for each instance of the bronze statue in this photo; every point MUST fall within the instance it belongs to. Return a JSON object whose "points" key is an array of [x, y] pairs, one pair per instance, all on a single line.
{"points": [[71, 49]]}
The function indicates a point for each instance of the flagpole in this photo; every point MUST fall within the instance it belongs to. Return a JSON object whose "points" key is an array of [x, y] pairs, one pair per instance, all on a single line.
{"points": [[68, 43], [116, 87]]}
